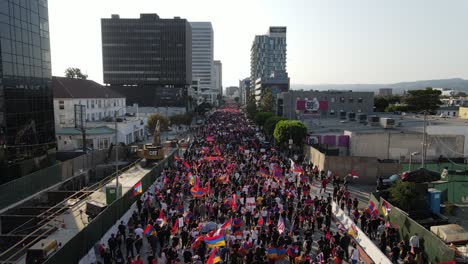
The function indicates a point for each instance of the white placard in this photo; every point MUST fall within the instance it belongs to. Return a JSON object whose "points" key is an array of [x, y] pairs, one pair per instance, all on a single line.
{"points": [[251, 204], [262, 150], [181, 221]]}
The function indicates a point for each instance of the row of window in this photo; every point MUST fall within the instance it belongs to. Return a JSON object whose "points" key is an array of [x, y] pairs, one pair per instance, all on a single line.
{"points": [[98, 103]]}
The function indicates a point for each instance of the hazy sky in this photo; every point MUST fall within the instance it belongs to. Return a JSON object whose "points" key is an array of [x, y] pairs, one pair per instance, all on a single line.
{"points": [[329, 41]]}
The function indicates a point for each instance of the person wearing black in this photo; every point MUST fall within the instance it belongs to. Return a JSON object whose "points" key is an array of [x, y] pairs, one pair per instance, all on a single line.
{"points": [[139, 205], [111, 242], [395, 253], [187, 255], [129, 246], [138, 244], [107, 256], [344, 243], [122, 228]]}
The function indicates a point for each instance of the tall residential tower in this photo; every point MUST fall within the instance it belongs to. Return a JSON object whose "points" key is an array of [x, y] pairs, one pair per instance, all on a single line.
{"points": [[268, 53]]}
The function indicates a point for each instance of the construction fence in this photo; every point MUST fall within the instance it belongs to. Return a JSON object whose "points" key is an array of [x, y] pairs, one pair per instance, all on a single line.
{"points": [[81, 243], [21, 188], [435, 249]]}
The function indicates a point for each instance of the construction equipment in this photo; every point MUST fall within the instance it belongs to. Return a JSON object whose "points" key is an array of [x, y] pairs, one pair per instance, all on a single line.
{"points": [[153, 151]]}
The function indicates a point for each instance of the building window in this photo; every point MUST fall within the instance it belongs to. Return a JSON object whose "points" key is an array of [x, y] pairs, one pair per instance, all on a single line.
{"points": [[62, 119], [64, 142], [360, 100], [59, 137], [332, 112], [359, 110], [69, 137], [351, 100], [61, 105], [332, 99], [92, 103], [99, 103], [342, 99], [87, 104]]}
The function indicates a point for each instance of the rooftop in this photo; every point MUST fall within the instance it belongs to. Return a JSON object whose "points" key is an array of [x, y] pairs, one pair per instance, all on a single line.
{"points": [[89, 131], [408, 123], [64, 87]]}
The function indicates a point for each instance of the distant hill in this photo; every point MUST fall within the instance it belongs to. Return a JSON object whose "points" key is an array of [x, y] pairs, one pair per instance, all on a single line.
{"points": [[457, 84]]}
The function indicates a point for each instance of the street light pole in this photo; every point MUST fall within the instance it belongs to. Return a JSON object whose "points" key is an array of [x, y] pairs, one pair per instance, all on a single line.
{"points": [[117, 193]]}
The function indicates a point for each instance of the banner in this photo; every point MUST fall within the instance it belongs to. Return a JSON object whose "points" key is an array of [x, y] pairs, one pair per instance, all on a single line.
{"points": [[251, 204]]}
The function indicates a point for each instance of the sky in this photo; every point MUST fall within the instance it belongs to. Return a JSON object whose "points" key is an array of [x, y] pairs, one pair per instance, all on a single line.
{"points": [[329, 41]]}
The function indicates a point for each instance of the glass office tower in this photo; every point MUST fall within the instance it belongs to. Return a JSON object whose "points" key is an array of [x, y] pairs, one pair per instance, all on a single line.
{"points": [[26, 101]]}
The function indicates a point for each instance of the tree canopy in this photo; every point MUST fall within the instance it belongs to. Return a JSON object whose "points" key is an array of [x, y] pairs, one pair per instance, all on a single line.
{"points": [[405, 195], [152, 120], [423, 100], [182, 119], [270, 124], [267, 101], [261, 117], [75, 73], [251, 108], [290, 128]]}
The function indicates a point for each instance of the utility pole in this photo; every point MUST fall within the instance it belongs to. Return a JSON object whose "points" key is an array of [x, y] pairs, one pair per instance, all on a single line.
{"points": [[424, 143]]}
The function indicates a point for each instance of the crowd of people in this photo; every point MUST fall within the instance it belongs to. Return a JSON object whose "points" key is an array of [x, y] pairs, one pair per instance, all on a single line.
{"points": [[230, 199]]}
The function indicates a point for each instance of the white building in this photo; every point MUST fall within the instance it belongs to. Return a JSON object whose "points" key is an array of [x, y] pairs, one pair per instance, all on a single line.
{"points": [[202, 54], [99, 105], [218, 76]]}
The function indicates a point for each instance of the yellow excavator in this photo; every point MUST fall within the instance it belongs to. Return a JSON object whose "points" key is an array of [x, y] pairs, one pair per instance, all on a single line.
{"points": [[151, 152]]}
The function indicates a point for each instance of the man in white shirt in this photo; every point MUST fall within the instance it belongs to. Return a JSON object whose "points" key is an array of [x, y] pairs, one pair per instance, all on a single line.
{"points": [[414, 243], [139, 231]]}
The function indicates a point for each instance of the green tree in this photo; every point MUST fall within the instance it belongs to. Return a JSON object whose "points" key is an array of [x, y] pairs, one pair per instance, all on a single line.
{"points": [[396, 108], [251, 108], [267, 102], [182, 119], [404, 195], [152, 119], [75, 73], [380, 103], [287, 129], [261, 117], [423, 100], [270, 124]]}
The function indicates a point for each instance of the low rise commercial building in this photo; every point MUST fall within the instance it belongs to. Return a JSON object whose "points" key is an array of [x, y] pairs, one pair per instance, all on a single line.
{"points": [[313, 104], [95, 108], [276, 83]]}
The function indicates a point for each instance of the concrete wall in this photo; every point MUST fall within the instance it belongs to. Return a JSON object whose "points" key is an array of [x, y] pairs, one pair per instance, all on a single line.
{"points": [[395, 145], [450, 130], [367, 168]]}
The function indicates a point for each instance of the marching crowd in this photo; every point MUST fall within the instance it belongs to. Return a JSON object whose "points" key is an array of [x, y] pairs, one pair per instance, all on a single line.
{"points": [[231, 199]]}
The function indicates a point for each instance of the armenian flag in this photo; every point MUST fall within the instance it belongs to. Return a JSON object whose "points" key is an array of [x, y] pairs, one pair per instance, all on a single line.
{"points": [[372, 208], [293, 251], [385, 208], [175, 227], [149, 230], [198, 192], [215, 241], [263, 172], [214, 257], [137, 189], [281, 251], [272, 253]]}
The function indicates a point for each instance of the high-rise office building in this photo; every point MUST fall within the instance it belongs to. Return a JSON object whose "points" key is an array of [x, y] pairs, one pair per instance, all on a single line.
{"points": [[218, 76], [268, 53], [244, 90], [202, 55], [148, 59], [27, 136]]}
